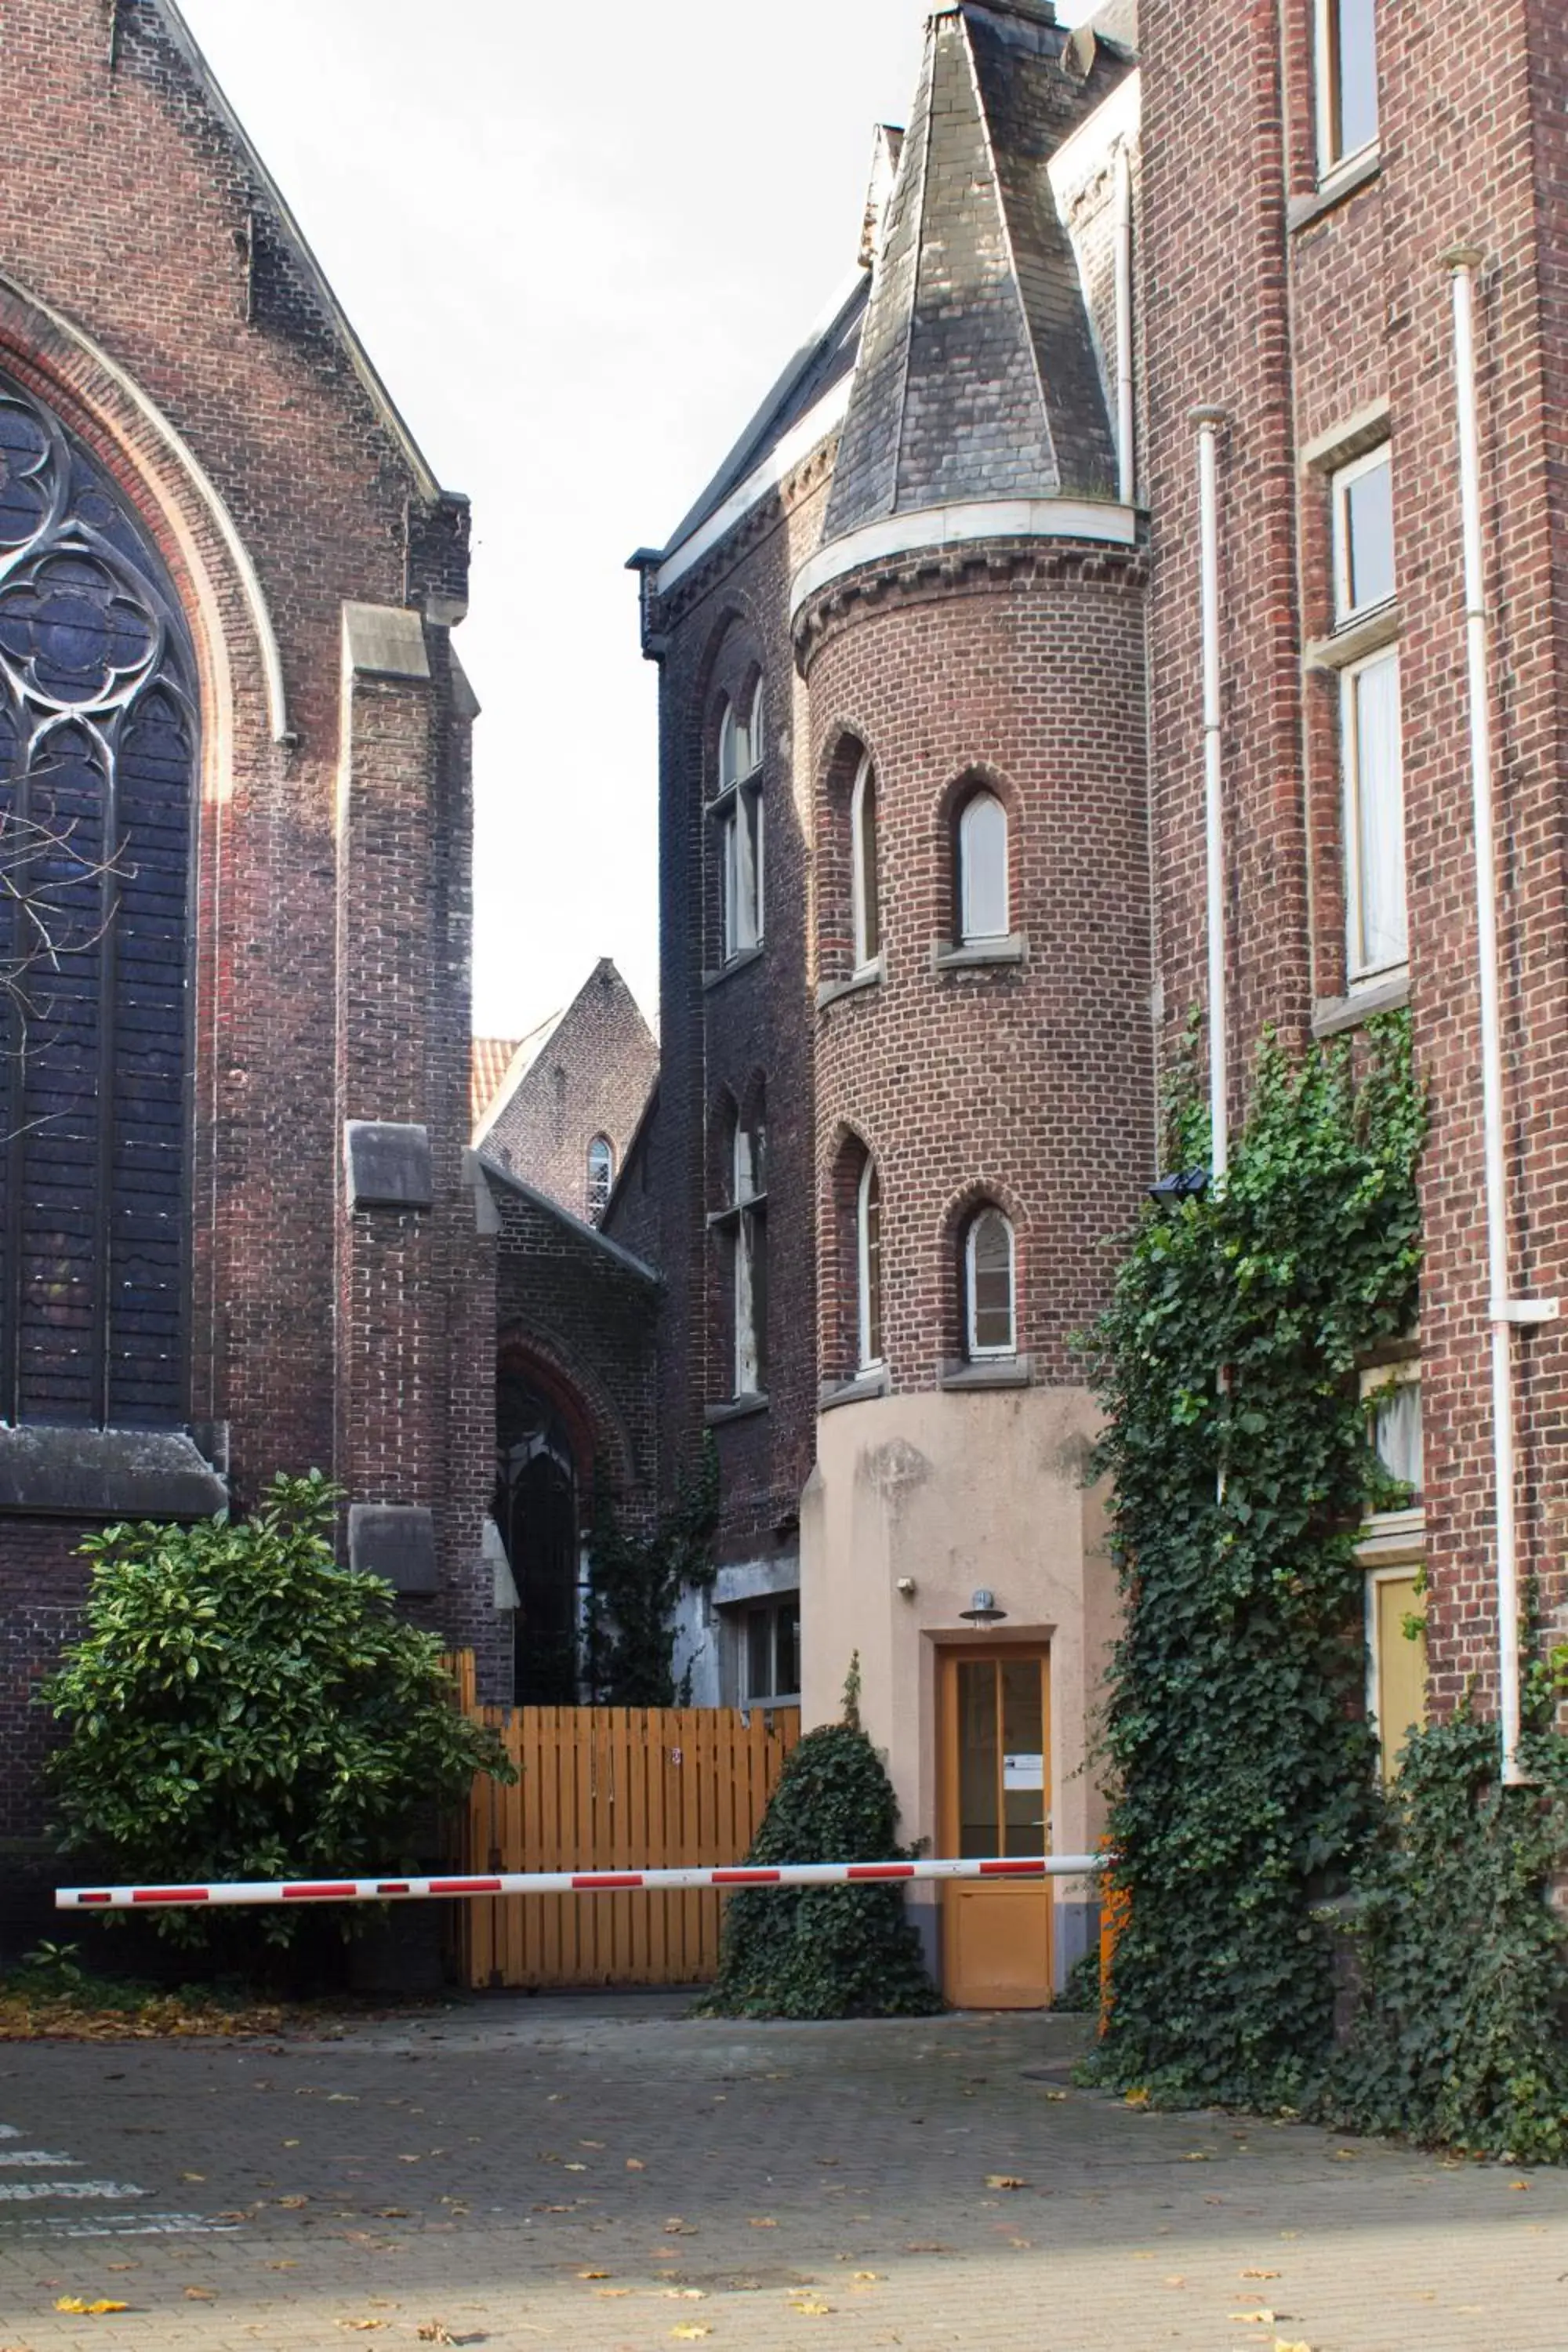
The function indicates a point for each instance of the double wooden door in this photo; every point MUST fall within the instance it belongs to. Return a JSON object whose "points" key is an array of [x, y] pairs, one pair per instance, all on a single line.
{"points": [[995, 1799]]}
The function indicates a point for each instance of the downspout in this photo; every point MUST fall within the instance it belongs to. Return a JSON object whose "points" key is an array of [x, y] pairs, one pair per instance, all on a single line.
{"points": [[1126, 453], [1503, 1312], [1209, 422]]}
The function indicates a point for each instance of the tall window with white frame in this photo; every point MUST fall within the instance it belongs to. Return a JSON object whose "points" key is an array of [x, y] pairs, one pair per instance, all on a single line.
{"points": [[990, 1287], [1392, 1549], [869, 1267], [1347, 82], [863, 875], [743, 1221], [1372, 762], [981, 871], [738, 809], [601, 1177]]}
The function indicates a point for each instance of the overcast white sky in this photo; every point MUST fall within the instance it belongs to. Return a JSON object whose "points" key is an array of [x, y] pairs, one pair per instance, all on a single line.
{"points": [[579, 241]]}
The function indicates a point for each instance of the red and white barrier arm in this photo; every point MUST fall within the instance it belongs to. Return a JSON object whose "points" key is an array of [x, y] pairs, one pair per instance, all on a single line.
{"points": [[568, 1882]]}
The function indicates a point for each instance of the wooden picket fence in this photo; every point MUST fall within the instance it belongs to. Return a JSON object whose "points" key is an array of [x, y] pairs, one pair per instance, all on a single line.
{"points": [[611, 1787]]}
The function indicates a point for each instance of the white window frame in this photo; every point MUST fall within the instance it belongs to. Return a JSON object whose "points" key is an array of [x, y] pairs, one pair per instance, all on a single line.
{"points": [[1328, 106], [865, 878], [1345, 609], [748, 1204], [1360, 970], [601, 1143], [773, 1611], [976, 1352], [968, 934], [738, 805], [870, 1360]]}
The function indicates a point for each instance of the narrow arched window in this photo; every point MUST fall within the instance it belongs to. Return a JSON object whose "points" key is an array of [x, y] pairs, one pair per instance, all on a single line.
{"points": [[738, 809], [601, 1176], [869, 1241], [982, 870], [863, 854], [990, 1286], [741, 1225], [98, 752]]}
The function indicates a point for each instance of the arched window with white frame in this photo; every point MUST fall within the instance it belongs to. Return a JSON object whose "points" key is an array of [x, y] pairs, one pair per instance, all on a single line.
{"points": [[990, 1287], [738, 808], [869, 1267], [742, 1225], [982, 893], [863, 867], [601, 1176]]}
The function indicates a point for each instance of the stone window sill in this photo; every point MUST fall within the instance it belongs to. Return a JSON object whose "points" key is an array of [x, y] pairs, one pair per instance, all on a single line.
{"points": [[865, 1384], [109, 1474], [970, 953], [989, 1372], [1390, 1538], [1342, 182], [1331, 1014], [1368, 634], [738, 962], [739, 1408], [867, 976]]}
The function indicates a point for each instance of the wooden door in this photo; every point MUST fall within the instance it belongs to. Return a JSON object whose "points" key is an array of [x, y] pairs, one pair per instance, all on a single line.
{"points": [[994, 1761]]}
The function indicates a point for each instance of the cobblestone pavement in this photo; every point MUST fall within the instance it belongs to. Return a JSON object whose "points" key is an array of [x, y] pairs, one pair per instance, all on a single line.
{"points": [[608, 2175]]}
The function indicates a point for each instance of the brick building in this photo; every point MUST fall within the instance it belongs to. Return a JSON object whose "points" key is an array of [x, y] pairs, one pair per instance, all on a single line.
{"points": [[239, 1231], [568, 1105], [948, 697], [907, 1073]]}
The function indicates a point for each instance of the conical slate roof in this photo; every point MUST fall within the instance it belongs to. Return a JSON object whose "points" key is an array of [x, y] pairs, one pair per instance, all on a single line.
{"points": [[978, 377]]}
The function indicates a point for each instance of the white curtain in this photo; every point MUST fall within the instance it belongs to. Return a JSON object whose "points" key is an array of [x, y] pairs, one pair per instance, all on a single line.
{"points": [[1379, 935]]}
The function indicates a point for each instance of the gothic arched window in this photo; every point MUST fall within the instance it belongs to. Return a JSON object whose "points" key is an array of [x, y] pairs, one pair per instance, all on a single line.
{"points": [[97, 764]]}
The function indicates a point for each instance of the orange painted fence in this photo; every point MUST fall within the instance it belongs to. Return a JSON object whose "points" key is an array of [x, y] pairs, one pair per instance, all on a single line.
{"points": [[611, 1787]]}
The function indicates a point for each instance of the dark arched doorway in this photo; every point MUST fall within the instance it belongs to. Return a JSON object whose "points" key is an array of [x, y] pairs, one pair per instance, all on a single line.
{"points": [[536, 1509]]}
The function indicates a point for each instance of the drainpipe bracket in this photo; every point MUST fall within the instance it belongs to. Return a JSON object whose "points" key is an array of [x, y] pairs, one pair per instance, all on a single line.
{"points": [[1526, 1310]]}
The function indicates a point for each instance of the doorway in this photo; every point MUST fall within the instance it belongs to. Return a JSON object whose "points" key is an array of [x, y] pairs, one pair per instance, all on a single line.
{"points": [[536, 1509], [993, 1756]]}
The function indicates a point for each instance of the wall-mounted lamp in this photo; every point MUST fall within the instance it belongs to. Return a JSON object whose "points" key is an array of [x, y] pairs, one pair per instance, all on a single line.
{"points": [[907, 1586], [983, 1609], [1187, 1185]]}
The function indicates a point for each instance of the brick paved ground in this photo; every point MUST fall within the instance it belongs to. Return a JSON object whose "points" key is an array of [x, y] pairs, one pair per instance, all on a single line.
{"points": [[611, 2176]]}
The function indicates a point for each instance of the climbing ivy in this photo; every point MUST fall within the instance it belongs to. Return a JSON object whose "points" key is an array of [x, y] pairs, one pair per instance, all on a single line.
{"points": [[634, 1582], [1461, 2030], [1236, 1447]]}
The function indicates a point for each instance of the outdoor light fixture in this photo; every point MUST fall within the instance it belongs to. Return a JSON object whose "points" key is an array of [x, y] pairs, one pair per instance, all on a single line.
{"points": [[983, 1609], [1188, 1185]]}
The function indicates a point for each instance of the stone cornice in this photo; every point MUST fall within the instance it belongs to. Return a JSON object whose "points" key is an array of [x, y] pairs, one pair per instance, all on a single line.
{"points": [[965, 568]]}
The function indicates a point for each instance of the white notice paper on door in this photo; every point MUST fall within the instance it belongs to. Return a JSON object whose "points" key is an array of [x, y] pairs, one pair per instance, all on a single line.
{"points": [[1023, 1771]]}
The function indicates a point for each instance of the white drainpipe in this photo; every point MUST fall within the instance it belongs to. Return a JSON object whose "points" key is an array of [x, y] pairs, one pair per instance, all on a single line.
{"points": [[1209, 422], [1126, 453], [1503, 1311]]}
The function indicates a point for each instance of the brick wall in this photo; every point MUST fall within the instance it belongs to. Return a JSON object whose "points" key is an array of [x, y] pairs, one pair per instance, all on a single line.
{"points": [[1295, 320]]}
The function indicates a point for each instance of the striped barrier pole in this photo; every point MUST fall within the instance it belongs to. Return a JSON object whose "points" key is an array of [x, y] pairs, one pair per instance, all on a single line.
{"points": [[567, 1881]]}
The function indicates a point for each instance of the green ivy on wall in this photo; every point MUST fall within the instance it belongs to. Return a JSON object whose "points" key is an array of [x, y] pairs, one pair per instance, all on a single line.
{"points": [[635, 1583], [1245, 1790]]}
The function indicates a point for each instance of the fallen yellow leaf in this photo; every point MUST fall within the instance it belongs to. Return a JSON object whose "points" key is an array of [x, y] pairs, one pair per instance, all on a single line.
{"points": [[94, 2310], [1253, 2318], [594, 2275], [1260, 2274], [610, 2293], [685, 2294], [1004, 2180], [761, 2221], [1518, 2184], [813, 2309], [1197, 2156], [866, 2278], [1281, 2345], [193, 2176], [573, 2167], [362, 2326], [198, 2295], [293, 2203], [635, 2163], [435, 2332], [675, 2227], [689, 2335]]}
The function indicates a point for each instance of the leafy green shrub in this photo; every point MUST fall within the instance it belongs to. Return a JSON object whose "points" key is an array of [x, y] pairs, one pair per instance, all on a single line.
{"points": [[1462, 2036], [825, 1951], [242, 1708], [1079, 1997], [1244, 1783], [633, 1584]]}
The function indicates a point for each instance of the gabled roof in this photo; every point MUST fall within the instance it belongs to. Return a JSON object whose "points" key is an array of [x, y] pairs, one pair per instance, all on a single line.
{"points": [[290, 233], [503, 1183], [977, 377], [521, 1053], [489, 1058]]}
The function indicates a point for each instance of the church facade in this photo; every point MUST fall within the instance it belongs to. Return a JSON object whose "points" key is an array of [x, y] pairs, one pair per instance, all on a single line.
{"points": [[240, 1232]]}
